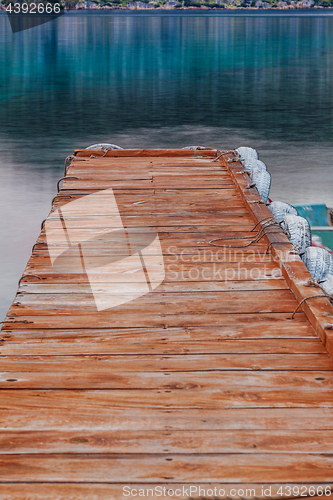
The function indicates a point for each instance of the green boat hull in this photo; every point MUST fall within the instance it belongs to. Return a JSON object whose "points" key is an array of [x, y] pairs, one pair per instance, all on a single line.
{"points": [[326, 236]]}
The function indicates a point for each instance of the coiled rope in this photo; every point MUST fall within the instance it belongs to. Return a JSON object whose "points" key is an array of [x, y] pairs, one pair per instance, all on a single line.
{"points": [[265, 223]]}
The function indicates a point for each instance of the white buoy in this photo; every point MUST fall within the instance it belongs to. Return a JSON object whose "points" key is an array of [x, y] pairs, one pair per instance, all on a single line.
{"points": [[245, 153], [319, 262], [298, 231], [261, 165], [262, 180], [104, 146], [280, 209], [249, 164]]}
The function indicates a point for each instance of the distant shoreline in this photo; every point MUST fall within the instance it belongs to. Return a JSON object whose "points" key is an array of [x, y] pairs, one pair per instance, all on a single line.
{"points": [[226, 10], [317, 11], [203, 9]]}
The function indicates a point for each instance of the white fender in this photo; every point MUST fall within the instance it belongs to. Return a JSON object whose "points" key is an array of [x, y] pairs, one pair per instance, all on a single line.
{"points": [[319, 262], [249, 164], [261, 165], [280, 209], [245, 152], [262, 180], [299, 232], [104, 146]]}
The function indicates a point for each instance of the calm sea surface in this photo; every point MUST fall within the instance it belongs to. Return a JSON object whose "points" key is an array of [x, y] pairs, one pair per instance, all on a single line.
{"points": [[160, 80]]}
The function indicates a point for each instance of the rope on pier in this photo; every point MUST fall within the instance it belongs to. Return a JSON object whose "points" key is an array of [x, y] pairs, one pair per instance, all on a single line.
{"points": [[196, 148], [69, 159], [27, 276], [106, 149], [221, 153], [305, 299], [266, 223], [293, 250], [66, 177], [42, 242], [313, 282]]}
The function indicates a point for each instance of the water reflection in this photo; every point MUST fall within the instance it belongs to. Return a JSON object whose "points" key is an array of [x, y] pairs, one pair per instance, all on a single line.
{"points": [[104, 74], [159, 81]]}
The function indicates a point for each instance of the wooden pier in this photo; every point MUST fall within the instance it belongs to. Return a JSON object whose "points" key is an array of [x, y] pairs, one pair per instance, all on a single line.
{"points": [[204, 382]]}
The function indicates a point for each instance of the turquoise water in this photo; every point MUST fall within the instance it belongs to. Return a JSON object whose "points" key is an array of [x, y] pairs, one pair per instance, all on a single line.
{"points": [[160, 80]]}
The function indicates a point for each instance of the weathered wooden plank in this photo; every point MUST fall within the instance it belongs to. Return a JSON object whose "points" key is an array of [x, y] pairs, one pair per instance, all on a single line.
{"points": [[198, 286], [159, 303], [56, 375], [182, 468], [150, 154], [186, 397], [186, 167], [99, 376], [30, 366], [191, 182], [145, 183], [215, 230], [175, 219], [270, 326], [156, 176], [192, 160], [110, 248], [126, 341], [147, 206], [174, 272], [171, 244], [109, 418], [77, 184], [231, 196], [104, 321], [139, 157], [231, 199], [258, 321], [154, 163], [247, 327], [251, 442], [107, 345]]}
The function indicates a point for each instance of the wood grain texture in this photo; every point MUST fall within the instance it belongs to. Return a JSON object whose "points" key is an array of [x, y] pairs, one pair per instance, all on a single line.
{"points": [[109, 418], [106, 468], [161, 442], [114, 364], [205, 381], [183, 397]]}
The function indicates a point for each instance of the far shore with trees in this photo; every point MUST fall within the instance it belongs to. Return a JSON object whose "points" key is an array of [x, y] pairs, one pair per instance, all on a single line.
{"points": [[191, 4]]}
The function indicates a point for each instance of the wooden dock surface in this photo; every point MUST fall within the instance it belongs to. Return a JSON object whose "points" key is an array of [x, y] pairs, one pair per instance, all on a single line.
{"points": [[204, 381]]}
